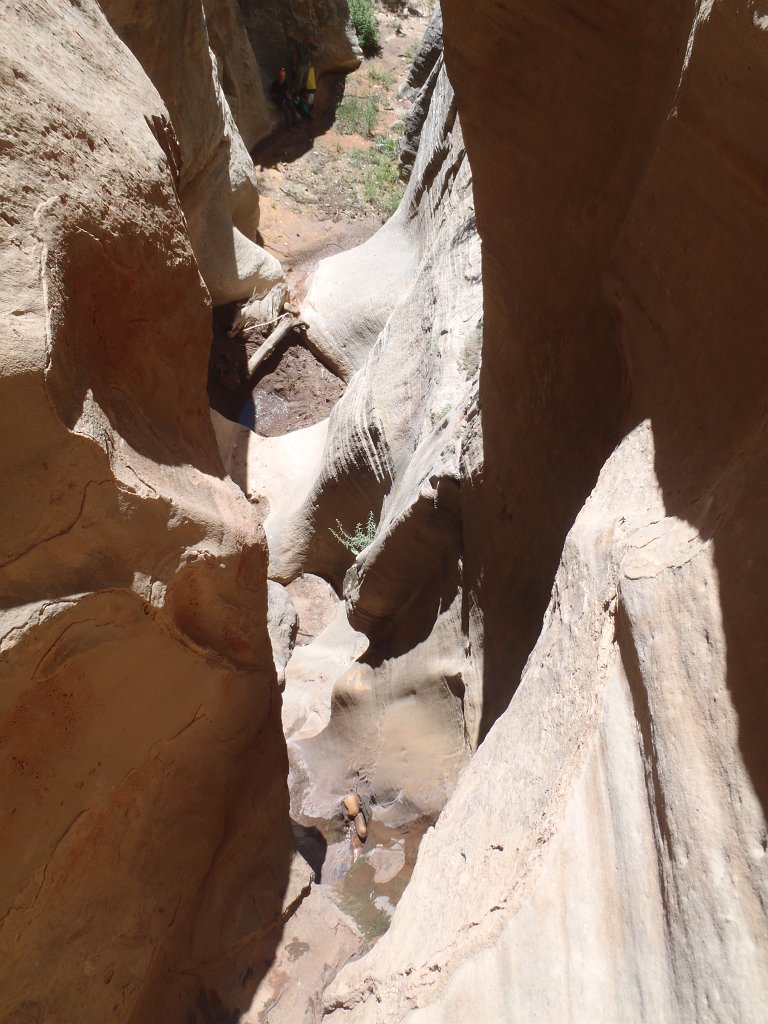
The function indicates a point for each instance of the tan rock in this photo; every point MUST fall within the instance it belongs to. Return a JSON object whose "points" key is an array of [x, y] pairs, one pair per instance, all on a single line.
{"points": [[315, 944], [387, 864], [619, 871], [283, 624], [312, 672], [316, 604], [143, 767], [217, 184]]}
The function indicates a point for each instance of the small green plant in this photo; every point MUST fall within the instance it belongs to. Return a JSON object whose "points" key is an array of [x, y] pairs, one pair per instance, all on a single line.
{"points": [[358, 115], [439, 415], [386, 79], [360, 539], [376, 175], [365, 23]]}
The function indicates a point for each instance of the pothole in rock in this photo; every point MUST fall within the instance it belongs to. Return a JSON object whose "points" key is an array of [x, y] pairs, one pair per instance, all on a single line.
{"points": [[370, 889], [365, 881], [364, 878], [293, 389]]}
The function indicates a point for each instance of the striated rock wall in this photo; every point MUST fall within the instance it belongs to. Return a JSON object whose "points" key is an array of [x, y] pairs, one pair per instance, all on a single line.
{"points": [[603, 857], [174, 41], [145, 855]]}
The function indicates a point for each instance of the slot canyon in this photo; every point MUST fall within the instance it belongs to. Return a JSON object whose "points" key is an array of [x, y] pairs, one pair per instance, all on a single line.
{"points": [[385, 545]]}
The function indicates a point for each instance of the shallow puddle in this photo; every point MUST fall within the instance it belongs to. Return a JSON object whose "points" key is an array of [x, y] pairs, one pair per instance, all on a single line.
{"points": [[365, 881]]}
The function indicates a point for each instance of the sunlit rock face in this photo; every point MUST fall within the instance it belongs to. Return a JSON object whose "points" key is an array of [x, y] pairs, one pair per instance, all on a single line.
{"points": [[145, 849], [199, 58], [603, 856]]}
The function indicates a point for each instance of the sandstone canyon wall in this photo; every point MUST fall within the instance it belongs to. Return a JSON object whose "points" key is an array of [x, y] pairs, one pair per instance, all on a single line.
{"points": [[273, 27], [217, 184], [603, 857], [556, 634], [146, 850]]}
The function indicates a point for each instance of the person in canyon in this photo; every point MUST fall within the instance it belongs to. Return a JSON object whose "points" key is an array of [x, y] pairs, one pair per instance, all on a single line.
{"points": [[302, 59], [283, 98]]}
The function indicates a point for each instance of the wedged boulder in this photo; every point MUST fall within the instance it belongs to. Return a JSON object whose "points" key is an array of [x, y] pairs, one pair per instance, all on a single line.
{"points": [[352, 295], [217, 184], [146, 841]]}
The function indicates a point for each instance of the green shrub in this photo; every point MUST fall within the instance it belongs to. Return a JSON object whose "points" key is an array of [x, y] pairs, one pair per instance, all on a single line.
{"points": [[360, 539], [365, 23]]}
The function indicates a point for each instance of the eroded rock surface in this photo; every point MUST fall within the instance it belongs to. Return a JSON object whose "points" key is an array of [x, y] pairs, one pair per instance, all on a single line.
{"points": [[198, 57], [618, 872], [146, 841]]}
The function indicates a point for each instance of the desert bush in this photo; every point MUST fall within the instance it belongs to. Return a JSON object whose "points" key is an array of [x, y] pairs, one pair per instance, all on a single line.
{"points": [[365, 23], [360, 539]]}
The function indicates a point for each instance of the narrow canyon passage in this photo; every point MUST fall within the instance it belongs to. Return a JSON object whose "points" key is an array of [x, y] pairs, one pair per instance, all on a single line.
{"points": [[352, 486], [383, 561]]}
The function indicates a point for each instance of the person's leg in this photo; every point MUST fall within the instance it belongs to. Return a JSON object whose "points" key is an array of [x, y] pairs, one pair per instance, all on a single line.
{"points": [[300, 76], [288, 113]]}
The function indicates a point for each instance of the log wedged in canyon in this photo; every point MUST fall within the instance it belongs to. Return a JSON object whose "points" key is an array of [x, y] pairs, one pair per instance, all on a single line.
{"points": [[146, 842]]}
